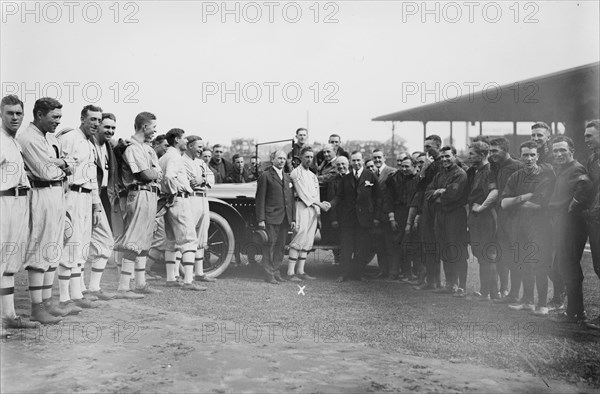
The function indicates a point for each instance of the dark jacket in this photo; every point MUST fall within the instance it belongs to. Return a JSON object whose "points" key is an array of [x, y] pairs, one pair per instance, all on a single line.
{"points": [[332, 188], [274, 198], [454, 180], [593, 206], [320, 157], [479, 185], [399, 193], [240, 177], [572, 185], [219, 176], [382, 180], [358, 202]]}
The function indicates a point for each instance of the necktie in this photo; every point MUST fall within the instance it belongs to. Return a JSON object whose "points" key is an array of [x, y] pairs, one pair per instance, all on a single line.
{"points": [[378, 172]]}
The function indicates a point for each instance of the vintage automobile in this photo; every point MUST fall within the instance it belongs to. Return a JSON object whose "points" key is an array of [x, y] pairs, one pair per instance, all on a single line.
{"points": [[232, 227]]}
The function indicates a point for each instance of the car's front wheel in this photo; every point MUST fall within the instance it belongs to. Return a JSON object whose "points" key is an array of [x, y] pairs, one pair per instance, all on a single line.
{"points": [[221, 246]]}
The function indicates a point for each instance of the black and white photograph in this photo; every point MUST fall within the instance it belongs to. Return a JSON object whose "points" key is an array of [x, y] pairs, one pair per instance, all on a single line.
{"points": [[304, 196]]}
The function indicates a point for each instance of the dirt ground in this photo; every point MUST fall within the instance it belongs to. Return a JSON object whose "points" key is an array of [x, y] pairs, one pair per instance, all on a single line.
{"points": [[158, 345]]}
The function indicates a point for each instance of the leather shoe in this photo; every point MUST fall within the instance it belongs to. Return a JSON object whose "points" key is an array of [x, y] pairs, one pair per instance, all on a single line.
{"points": [[294, 278], [272, 281], [41, 315], [55, 309], [128, 295], [17, 322], [173, 283], [306, 277], [192, 287], [85, 303], [146, 289], [204, 278], [102, 295], [88, 294], [379, 275], [152, 276], [279, 278], [71, 307]]}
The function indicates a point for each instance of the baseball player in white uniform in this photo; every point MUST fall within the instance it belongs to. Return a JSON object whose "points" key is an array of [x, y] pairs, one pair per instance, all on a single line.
{"points": [[179, 219], [14, 209], [140, 174], [102, 240], [84, 208], [46, 168], [197, 171], [159, 239], [308, 206]]}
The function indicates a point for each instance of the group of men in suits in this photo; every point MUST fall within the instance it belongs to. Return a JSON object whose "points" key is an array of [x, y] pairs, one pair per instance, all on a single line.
{"points": [[293, 201], [527, 219]]}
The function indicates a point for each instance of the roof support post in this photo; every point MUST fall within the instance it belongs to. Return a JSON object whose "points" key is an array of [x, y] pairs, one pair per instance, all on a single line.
{"points": [[451, 139]]}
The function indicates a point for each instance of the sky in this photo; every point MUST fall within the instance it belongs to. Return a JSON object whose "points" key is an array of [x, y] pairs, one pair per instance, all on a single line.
{"points": [[260, 70]]}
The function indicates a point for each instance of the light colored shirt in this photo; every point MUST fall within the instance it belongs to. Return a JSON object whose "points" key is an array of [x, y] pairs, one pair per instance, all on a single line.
{"points": [[138, 157], [76, 145], [358, 173], [197, 169], [38, 148], [175, 176], [12, 166], [279, 172], [306, 185]]}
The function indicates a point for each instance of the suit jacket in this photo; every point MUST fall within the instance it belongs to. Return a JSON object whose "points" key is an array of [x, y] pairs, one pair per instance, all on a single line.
{"points": [[358, 201], [320, 157], [332, 188], [385, 174], [212, 164], [241, 177], [113, 174], [274, 198]]}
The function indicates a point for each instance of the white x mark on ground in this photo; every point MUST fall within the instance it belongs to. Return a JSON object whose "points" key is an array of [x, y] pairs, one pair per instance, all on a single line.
{"points": [[301, 291]]}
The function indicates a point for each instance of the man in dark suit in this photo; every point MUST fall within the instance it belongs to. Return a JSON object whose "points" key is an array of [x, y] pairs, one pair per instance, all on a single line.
{"points": [[383, 235], [358, 208], [275, 212], [218, 165], [334, 141], [240, 172]]}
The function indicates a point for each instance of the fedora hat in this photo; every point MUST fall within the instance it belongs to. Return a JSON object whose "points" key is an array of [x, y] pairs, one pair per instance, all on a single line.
{"points": [[260, 236]]}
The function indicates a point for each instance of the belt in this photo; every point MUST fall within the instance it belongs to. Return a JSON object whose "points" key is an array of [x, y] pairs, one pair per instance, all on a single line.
{"points": [[46, 183], [149, 188], [80, 189], [14, 192], [198, 193], [183, 194]]}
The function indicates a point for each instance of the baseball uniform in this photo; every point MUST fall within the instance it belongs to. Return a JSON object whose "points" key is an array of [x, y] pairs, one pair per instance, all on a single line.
{"points": [[14, 204], [82, 193], [139, 208], [47, 198]]}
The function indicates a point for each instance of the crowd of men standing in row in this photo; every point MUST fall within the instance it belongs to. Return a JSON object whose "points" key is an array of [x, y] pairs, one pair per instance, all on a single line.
{"points": [[145, 198], [72, 196], [526, 220]]}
